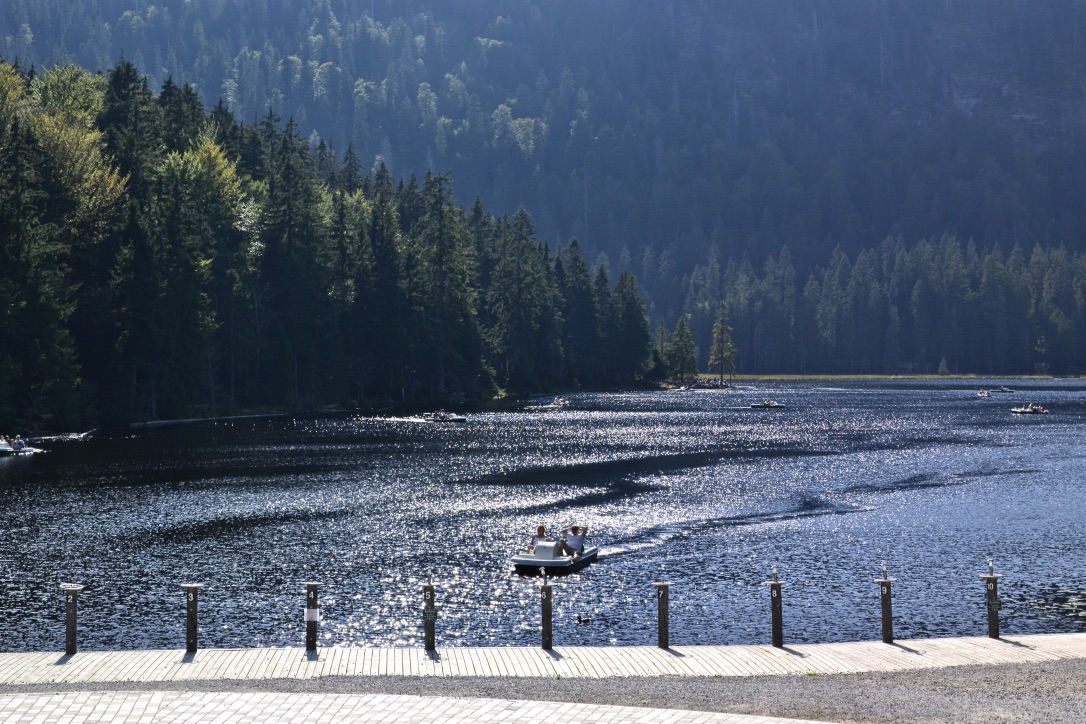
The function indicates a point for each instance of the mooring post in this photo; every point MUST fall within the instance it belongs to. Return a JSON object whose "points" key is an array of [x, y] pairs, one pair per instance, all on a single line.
{"points": [[776, 608], [662, 634], [192, 600], [545, 599], [886, 597], [991, 586], [312, 615], [71, 608], [429, 612]]}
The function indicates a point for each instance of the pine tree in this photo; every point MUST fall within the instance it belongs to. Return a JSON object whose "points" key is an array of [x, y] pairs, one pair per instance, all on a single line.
{"points": [[681, 356], [292, 272], [522, 308], [632, 345], [722, 349], [579, 333], [132, 122]]}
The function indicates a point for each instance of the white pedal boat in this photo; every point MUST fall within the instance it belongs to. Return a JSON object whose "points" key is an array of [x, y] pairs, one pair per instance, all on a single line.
{"points": [[7, 450], [546, 558]]}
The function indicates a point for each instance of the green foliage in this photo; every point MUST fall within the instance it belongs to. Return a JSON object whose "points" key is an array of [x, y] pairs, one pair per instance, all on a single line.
{"points": [[722, 348], [159, 259], [900, 309], [745, 126], [232, 266], [680, 355]]}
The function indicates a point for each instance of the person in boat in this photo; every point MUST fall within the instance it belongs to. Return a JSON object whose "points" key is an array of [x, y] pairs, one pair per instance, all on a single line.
{"points": [[572, 541], [539, 537]]}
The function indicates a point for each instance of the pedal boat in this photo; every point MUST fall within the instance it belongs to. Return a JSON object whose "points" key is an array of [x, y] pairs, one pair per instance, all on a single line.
{"points": [[546, 560]]}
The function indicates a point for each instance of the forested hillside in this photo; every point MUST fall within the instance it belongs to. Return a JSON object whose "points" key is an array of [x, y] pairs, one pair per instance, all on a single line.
{"points": [[816, 163], [158, 259], [652, 130]]}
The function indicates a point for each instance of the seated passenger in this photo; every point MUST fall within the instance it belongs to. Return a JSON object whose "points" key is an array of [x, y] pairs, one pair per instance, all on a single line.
{"points": [[539, 537], [572, 541]]}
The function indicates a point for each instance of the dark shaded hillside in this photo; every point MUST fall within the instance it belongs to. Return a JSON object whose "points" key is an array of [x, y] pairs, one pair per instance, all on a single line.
{"points": [[672, 137], [652, 130]]}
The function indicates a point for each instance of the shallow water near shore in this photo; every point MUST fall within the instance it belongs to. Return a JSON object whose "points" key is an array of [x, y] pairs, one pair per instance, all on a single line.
{"points": [[695, 487]]}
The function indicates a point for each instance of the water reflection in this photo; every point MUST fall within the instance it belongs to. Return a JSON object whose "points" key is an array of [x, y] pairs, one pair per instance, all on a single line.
{"points": [[696, 488]]}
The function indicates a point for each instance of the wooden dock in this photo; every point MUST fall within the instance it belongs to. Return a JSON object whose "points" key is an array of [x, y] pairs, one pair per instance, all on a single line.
{"points": [[561, 662]]}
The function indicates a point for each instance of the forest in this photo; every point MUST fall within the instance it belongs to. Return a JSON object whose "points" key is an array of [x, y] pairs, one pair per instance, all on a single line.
{"points": [[652, 131], [331, 196], [159, 259]]}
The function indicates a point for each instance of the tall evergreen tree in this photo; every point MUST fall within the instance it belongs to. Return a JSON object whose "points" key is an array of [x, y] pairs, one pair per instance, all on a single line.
{"points": [[722, 349], [579, 329], [522, 307], [631, 348], [292, 272], [132, 121], [447, 284], [681, 359]]}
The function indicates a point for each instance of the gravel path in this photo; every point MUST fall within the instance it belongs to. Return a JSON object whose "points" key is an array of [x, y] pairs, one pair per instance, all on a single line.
{"points": [[1045, 692]]}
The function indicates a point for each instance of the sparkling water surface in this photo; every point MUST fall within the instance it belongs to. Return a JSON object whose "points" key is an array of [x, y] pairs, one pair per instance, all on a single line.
{"points": [[695, 488]]}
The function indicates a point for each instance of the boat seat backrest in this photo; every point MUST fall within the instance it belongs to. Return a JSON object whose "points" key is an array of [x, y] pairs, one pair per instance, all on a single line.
{"points": [[546, 550]]}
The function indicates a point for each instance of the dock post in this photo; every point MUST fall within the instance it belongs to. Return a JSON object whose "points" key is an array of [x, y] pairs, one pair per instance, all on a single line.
{"points": [[546, 597], [71, 608], [192, 600], [429, 612], [886, 598], [663, 639], [777, 609], [312, 615], [991, 586]]}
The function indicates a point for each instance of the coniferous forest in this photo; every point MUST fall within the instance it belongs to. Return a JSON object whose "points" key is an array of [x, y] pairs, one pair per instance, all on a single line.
{"points": [[159, 259], [869, 187]]}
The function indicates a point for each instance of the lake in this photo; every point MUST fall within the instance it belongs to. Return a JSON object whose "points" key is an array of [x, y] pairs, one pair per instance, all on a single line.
{"points": [[694, 487]]}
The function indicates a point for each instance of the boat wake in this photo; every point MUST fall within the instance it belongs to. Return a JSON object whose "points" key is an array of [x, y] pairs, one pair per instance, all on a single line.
{"points": [[920, 481], [229, 525], [597, 472], [807, 507]]}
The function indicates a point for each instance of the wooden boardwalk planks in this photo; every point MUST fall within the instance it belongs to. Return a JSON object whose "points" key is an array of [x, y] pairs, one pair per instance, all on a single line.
{"points": [[562, 662]]}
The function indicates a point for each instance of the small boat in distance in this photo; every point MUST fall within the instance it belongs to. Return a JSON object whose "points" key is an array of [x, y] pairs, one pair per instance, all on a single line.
{"points": [[984, 393], [439, 416], [766, 404], [1004, 389], [1030, 409], [558, 403], [546, 560], [18, 447]]}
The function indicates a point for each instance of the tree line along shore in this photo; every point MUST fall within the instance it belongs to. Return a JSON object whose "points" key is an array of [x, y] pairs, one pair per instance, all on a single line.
{"points": [[159, 258]]}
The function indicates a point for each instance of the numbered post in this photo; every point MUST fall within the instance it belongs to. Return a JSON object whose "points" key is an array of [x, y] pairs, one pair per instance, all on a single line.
{"points": [[312, 615], [545, 597], [886, 598], [991, 596], [662, 633], [192, 600], [777, 609], [429, 612], [71, 608]]}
